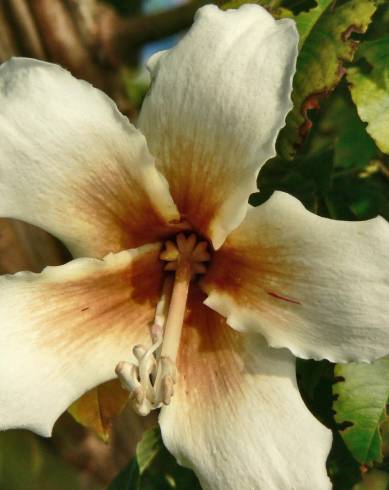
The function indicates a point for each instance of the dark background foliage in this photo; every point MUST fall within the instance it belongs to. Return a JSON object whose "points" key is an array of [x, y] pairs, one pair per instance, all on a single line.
{"points": [[331, 155]]}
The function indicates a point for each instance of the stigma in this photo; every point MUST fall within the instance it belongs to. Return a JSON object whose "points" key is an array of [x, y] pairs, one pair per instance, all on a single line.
{"points": [[151, 380]]}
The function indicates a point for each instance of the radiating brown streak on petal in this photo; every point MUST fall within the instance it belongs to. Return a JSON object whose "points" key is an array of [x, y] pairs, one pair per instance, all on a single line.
{"points": [[199, 181], [124, 211], [250, 271], [248, 274], [208, 363], [113, 303]]}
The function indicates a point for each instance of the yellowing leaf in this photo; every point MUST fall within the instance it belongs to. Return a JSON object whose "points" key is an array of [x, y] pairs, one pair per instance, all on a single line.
{"points": [[370, 90], [306, 21], [325, 45], [96, 409]]}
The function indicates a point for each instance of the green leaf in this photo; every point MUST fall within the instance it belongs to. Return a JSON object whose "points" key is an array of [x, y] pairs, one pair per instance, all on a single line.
{"points": [[354, 148], [342, 468], [234, 4], [325, 45], [154, 468], [306, 178], [361, 403], [148, 448], [272, 6], [318, 168], [309, 375], [385, 437], [127, 479], [306, 21], [370, 89]]}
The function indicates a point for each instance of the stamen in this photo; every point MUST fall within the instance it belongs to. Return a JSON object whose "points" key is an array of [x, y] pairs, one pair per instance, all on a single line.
{"points": [[151, 381], [162, 309]]}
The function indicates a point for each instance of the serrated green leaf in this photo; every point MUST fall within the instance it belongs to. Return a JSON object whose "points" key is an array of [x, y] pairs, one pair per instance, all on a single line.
{"points": [[362, 398], [370, 89], [325, 45]]}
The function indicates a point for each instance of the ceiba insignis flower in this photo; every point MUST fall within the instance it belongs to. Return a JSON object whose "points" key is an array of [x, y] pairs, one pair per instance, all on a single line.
{"points": [[173, 216]]}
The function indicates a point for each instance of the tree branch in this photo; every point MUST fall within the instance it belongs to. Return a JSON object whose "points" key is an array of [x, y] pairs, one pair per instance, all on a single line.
{"points": [[25, 28], [25, 247], [62, 40], [119, 36], [8, 45]]}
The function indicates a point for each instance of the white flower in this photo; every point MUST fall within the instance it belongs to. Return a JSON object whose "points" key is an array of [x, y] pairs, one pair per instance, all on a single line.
{"points": [[71, 164]]}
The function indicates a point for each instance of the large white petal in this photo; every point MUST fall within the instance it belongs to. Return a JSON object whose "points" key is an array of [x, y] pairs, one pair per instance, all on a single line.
{"points": [[73, 165], [217, 102], [317, 286], [237, 418], [63, 331]]}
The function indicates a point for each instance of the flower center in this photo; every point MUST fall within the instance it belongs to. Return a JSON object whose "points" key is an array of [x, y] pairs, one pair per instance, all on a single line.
{"points": [[151, 381]]}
